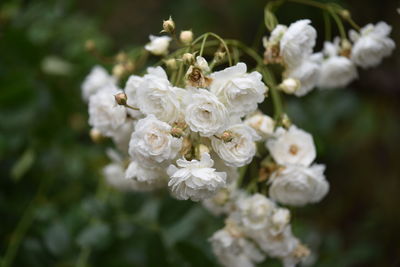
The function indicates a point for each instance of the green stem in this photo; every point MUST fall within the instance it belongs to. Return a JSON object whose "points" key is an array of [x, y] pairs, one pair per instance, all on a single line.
{"points": [[23, 225], [328, 26], [339, 23]]}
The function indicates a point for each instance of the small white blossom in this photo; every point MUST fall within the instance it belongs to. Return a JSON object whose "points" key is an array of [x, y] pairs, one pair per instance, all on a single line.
{"points": [[298, 185], [263, 124], [144, 178], [234, 250], [152, 140], [276, 35], [97, 79], [371, 45], [238, 90], [293, 146], [158, 45], [104, 113], [195, 179], [255, 211], [297, 42], [205, 113], [241, 149], [156, 96], [279, 220], [307, 73], [336, 71], [223, 202]]}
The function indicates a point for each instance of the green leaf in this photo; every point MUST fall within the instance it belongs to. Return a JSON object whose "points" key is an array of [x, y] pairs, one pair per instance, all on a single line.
{"points": [[23, 164]]}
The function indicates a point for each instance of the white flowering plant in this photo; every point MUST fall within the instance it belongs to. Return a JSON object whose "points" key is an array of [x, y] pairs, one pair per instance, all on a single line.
{"points": [[191, 123]]}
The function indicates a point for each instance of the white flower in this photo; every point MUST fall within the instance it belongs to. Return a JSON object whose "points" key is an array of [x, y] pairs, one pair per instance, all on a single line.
{"points": [[195, 179], [297, 42], [156, 96], [158, 45], [280, 246], [293, 146], [152, 140], [223, 202], [238, 90], [130, 90], [371, 45], [276, 35], [145, 179], [233, 250], [263, 124], [307, 73], [122, 135], [336, 71], [298, 185], [255, 211], [241, 149], [205, 113], [279, 220], [104, 113], [202, 63], [97, 79]]}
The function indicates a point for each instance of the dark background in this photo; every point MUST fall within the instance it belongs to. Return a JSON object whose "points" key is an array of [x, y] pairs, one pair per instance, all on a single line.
{"points": [[55, 209]]}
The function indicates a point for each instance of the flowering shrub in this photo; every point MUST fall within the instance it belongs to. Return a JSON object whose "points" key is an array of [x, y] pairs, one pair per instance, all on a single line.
{"points": [[190, 124]]}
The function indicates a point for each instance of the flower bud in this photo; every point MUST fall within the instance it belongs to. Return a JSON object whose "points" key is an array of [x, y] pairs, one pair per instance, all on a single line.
{"points": [[290, 85], [219, 56], [186, 37], [345, 48], [121, 57], [226, 136], [121, 99], [168, 26], [344, 13], [90, 45], [286, 122], [95, 135], [118, 70], [171, 64], [188, 58]]}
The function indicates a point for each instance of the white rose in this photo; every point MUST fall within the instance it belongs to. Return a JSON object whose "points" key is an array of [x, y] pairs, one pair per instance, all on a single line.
{"points": [[241, 149], [122, 136], [372, 45], [234, 250], [156, 96], [205, 113], [238, 90], [276, 246], [195, 179], [158, 45], [255, 211], [97, 79], [336, 71], [264, 125], [131, 88], [298, 185], [279, 220], [293, 146], [297, 42], [307, 73], [152, 140], [104, 113], [145, 179]]}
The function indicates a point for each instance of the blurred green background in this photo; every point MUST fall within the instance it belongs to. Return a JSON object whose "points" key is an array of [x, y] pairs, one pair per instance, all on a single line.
{"points": [[55, 209]]}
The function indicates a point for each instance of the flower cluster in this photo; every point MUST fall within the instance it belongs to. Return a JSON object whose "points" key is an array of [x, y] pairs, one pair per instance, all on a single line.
{"points": [[335, 66], [189, 129]]}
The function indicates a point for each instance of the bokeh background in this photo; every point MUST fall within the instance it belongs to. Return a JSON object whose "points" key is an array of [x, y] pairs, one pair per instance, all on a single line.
{"points": [[56, 210]]}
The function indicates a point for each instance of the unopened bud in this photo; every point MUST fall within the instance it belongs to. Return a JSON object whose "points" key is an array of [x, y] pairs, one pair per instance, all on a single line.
{"points": [[171, 64], [95, 135], [118, 70], [227, 136], [285, 121], [129, 66], [345, 49], [290, 85], [188, 58], [90, 45], [177, 132], [344, 13], [121, 99], [168, 25], [219, 56], [121, 57], [200, 150], [186, 37]]}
